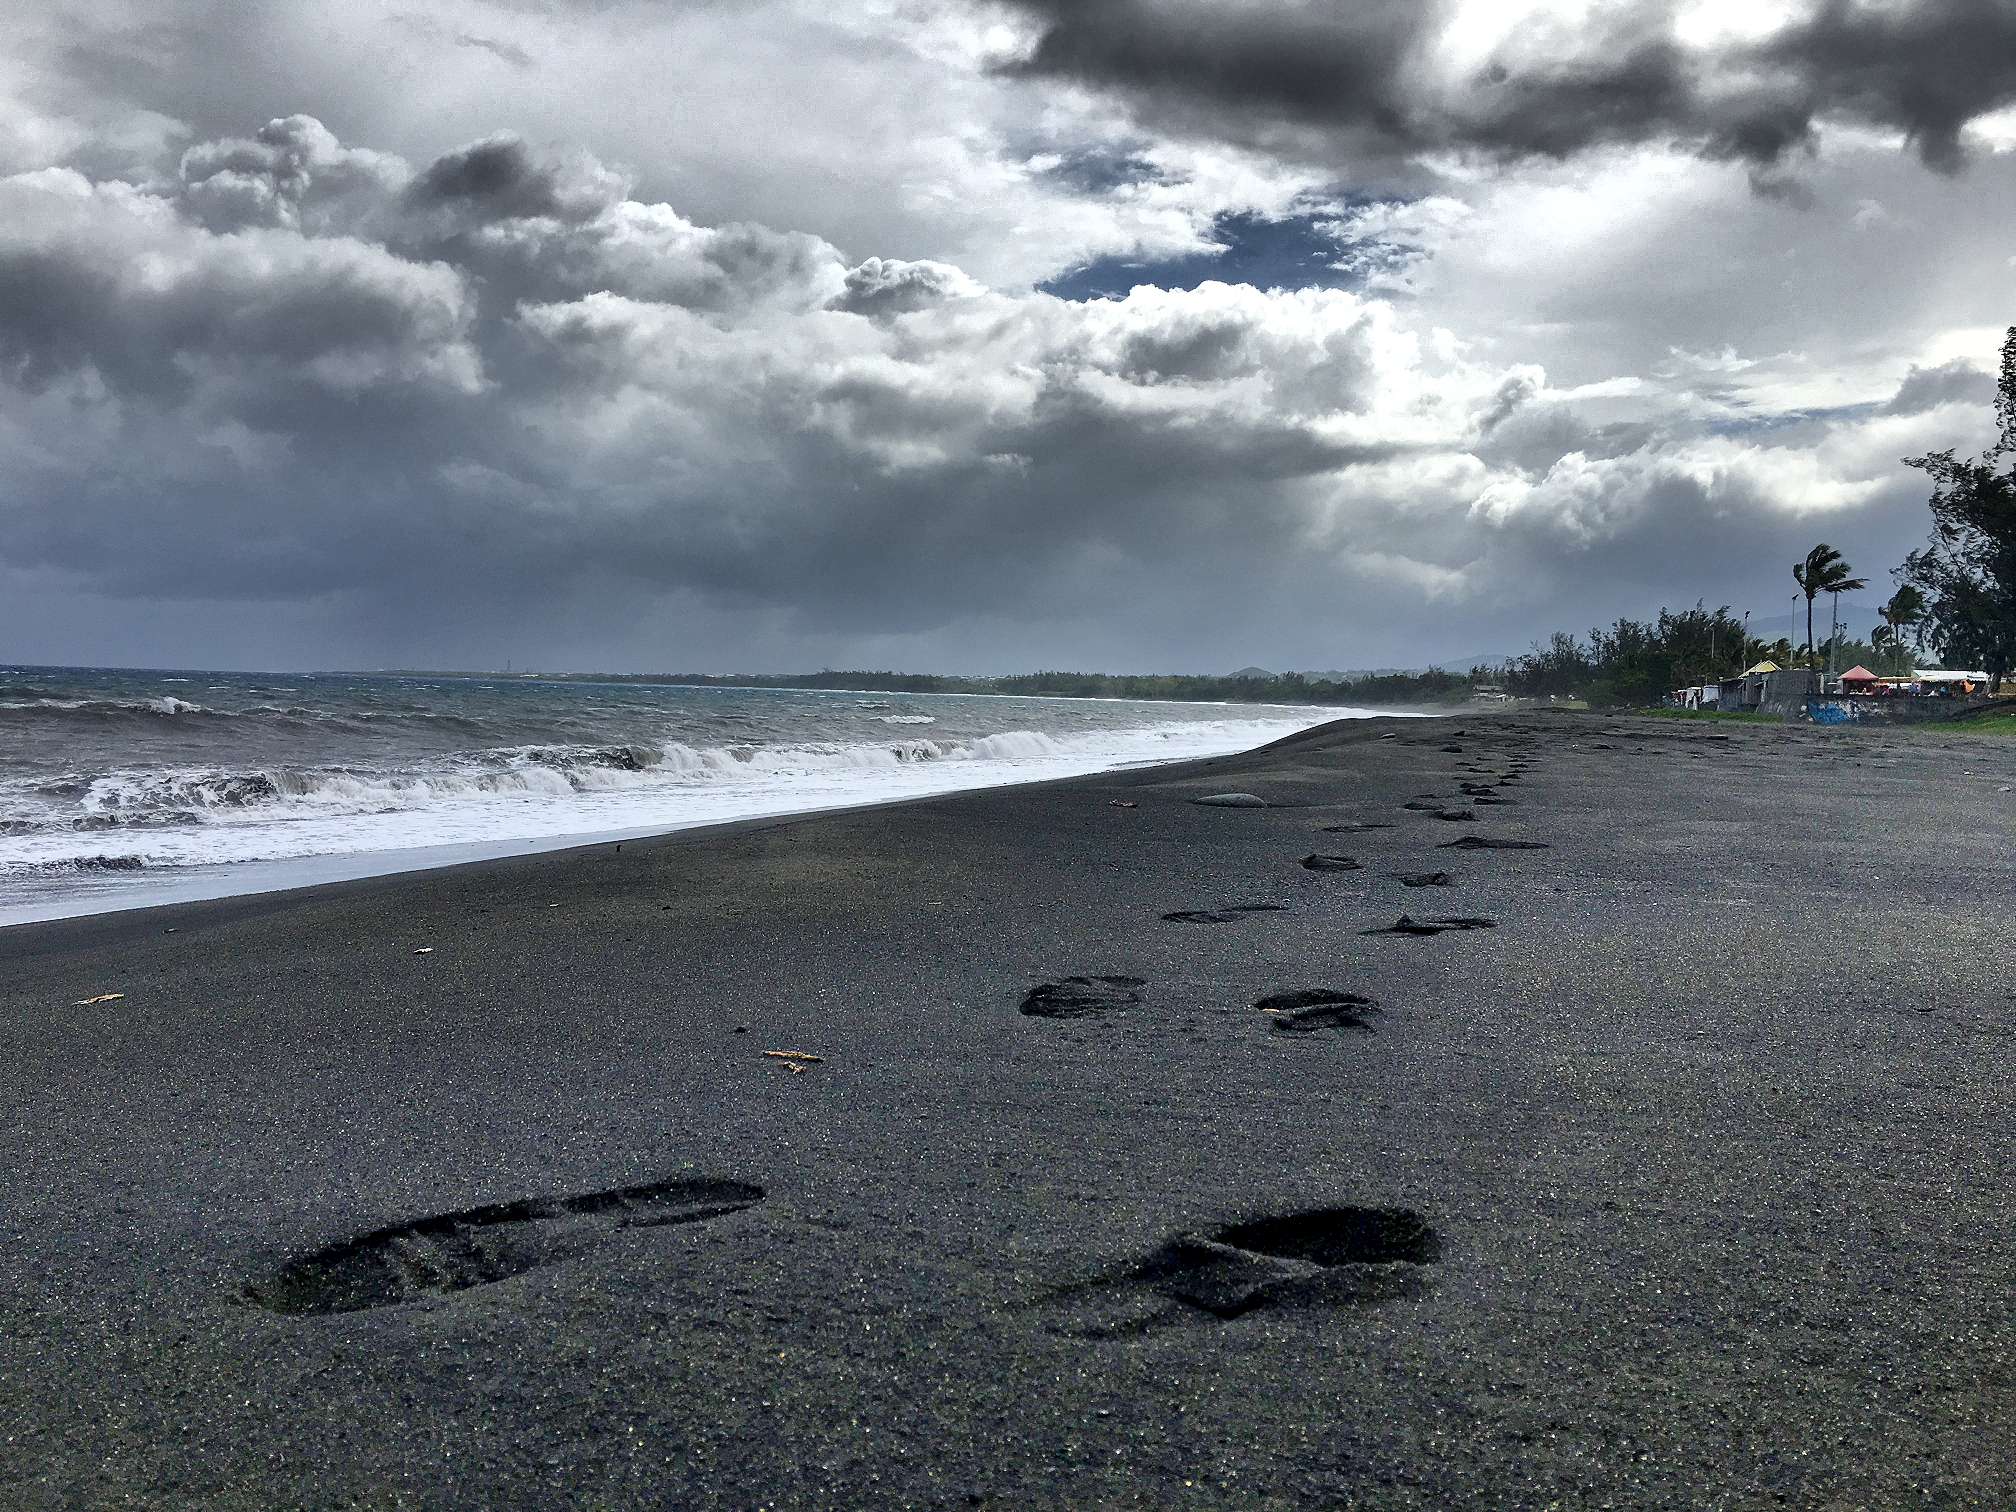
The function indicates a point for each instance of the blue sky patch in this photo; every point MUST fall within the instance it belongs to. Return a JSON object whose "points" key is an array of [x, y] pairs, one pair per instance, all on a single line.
{"points": [[1299, 252]]}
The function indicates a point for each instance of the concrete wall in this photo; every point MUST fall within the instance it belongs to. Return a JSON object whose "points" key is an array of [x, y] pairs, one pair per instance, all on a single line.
{"points": [[1848, 708], [1785, 693]]}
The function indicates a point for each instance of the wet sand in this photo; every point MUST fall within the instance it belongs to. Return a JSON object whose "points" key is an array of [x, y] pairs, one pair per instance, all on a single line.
{"points": [[1685, 1184]]}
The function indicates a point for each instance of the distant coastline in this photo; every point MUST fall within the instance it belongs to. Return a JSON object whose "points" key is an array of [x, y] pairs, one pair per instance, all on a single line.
{"points": [[1431, 686]]}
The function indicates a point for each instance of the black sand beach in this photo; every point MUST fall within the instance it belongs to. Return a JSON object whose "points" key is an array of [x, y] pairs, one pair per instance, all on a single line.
{"points": [[1686, 1184]]}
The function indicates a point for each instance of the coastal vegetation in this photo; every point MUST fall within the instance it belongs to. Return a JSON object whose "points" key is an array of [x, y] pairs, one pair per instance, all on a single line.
{"points": [[1427, 687], [1956, 598], [1635, 662], [1966, 574], [1825, 570], [1626, 664]]}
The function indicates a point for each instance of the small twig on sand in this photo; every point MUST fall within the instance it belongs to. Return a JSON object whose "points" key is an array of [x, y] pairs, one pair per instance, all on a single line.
{"points": [[796, 1060]]}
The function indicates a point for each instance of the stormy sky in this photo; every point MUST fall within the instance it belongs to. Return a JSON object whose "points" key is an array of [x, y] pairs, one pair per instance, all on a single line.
{"points": [[1120, 334]]}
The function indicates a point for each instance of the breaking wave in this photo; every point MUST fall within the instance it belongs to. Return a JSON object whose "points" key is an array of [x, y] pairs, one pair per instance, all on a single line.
{"points": [[52, 705], [158, 813], [123, 798], [112, 783]]}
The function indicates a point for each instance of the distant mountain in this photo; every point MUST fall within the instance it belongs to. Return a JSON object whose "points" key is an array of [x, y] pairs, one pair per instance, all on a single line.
{"points": [[1857, 620]]}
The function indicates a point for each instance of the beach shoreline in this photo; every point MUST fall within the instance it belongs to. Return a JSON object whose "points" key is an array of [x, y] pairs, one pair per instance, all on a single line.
{"points": [[124, 789], [1688, 1167]]}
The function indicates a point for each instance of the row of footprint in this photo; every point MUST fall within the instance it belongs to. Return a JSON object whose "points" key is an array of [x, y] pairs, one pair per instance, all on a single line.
{"points": [[1338, 1254], [1311, 1008]]}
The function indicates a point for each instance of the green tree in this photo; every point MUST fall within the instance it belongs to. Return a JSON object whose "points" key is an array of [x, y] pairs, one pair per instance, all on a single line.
{"points": [[1823, 571], [1968, 571], [1634, 663], [1559, 669], [1902, 615]]}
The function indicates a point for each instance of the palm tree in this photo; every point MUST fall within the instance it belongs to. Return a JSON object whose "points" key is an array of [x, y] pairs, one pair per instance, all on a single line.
{"points": [[1900, 615], [1905, 610], [1823, 571]]}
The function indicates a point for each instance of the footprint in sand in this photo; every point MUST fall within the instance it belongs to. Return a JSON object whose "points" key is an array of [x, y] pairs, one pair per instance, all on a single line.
{"points": [[1322, 1257], [1082, 996], [451, 1252], [1308, 1009], [1406, 926], [1228, 915]]}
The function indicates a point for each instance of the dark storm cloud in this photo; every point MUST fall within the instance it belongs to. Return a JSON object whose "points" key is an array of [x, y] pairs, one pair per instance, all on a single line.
{"points": [[89, 289], [489, 180], [496, 389], [1365, 77], [497, 383], [1955, 382]]}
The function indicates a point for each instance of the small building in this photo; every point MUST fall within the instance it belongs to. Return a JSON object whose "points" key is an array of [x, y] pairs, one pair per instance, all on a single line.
{"points": [[1948, 683], [1860, 680], [1747, 694]]}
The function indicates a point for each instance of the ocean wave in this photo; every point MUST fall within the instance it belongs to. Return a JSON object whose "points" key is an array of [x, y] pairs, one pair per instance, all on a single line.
{"points": [[410, 715], [30, 701], [1012, 745], [141, 819], [167, 820], [167, 704], [123, 800], [69, 864]]}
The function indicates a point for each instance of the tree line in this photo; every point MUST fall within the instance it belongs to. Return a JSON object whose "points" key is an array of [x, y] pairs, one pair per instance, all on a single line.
{"points": [[1966, 574], [1955, 598], [1289, 688]]}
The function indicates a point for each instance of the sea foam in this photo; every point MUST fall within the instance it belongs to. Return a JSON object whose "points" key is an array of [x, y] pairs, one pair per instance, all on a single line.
{"points": [[110, 804]]}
